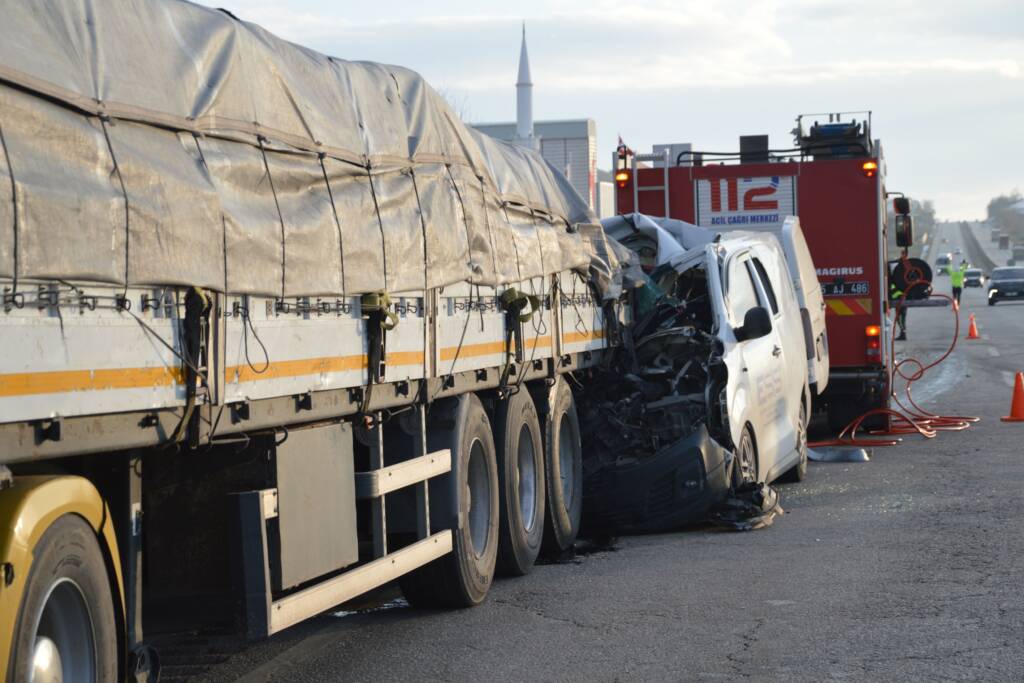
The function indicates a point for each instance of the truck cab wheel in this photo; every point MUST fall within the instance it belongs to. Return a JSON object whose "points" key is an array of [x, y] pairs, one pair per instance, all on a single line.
{"points": [[466, 501], [521, 483], [65, 628], [563, 466]]}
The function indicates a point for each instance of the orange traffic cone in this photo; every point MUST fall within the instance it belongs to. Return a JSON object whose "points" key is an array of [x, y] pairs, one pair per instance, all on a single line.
{"points": [[972, 331], [1017, 404]]}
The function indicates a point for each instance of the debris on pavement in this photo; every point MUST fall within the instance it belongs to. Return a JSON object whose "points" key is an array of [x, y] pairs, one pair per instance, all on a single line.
{"points": [[838, 454], [750, 507]]}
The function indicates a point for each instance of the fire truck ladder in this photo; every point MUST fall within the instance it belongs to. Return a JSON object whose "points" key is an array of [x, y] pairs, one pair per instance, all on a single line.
{"points": [[637, 189]]}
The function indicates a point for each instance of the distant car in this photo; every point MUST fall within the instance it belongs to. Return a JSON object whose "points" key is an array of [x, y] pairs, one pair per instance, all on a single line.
{"points": [[1005, 283], [973, 277], [958, 251], [942, 262]]}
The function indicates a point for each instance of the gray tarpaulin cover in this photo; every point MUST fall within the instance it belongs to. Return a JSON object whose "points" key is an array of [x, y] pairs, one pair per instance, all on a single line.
{"points": [[156, 142]]}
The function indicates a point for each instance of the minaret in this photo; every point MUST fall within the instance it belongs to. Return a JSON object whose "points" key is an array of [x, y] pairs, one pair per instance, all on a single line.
{"points": [[524, 100]]}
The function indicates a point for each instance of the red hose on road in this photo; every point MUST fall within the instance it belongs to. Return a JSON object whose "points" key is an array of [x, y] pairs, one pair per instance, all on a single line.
{"points": [[914, 420]]}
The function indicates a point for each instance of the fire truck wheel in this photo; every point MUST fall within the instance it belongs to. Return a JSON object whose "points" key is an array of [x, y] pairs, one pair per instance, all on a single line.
{"points": [[799, 471], [469, 494], [65, 625], [521, 483], [563, 466]]}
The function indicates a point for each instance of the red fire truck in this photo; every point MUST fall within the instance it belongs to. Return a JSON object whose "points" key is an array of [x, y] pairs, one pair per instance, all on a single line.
{"points": [[834, 180]]}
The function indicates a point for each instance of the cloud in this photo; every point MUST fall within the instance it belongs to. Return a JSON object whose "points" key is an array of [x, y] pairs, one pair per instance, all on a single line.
{"points": [[607, 45], [675, 70]]}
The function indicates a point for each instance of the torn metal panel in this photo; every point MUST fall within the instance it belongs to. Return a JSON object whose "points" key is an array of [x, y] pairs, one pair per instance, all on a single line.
{"points": [[752, 506], [649, 492]]}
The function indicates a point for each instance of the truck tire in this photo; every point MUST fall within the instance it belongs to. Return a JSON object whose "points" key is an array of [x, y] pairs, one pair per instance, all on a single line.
{"points": [[465, 501], [65, 628], [521, 483], [563, 468]]}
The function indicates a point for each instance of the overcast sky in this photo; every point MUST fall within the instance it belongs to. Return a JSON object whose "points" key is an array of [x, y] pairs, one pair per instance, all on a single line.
{"points": [[945, 80]]}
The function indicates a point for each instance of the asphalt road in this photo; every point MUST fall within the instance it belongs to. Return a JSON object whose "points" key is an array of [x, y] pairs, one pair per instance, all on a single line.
{"points": [[908, 567]]}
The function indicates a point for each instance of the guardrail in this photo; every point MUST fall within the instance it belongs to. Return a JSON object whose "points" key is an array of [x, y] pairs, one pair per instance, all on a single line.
{"points": [[975, 250]]}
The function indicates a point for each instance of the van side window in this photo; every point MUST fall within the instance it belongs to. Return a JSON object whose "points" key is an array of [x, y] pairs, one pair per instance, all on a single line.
{"points": [[742, 293], [767, 284]]}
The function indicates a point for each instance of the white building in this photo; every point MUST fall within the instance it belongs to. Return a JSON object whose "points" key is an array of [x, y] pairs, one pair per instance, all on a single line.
{"points": [[570, 145]]}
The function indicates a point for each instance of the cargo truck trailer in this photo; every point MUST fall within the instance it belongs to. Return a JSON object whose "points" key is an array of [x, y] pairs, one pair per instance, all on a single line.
{"points": [[276, 329]]}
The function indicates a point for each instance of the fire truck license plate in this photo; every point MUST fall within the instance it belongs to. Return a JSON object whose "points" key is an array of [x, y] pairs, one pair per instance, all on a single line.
{"points": [[856, 288]]}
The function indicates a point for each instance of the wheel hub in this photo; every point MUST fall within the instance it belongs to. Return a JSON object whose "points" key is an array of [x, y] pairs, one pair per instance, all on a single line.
{"points": [[46, 664]]}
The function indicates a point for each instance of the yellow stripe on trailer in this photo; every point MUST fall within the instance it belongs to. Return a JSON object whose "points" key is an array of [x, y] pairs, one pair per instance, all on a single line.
{"points": [[28, 383], [575, 337], [850, 306]]}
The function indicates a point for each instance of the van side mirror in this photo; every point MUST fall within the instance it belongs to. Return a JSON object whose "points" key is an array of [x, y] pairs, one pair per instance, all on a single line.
{"points": [[756, 324], [904, 231]]}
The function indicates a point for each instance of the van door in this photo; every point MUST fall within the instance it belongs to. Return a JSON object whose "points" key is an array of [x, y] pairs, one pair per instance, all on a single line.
{"points": [[761, 366], [812, 302]]}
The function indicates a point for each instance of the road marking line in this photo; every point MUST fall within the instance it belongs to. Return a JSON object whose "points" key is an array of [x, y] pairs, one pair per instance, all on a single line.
{"points": [[993, 351]]}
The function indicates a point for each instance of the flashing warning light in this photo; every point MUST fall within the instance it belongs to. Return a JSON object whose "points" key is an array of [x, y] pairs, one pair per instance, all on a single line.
{"points": [[870, 168], [874, 342], [622, 178]]}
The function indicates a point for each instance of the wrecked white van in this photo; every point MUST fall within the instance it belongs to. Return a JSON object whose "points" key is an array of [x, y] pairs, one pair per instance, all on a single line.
{"points": [[710, 386]]}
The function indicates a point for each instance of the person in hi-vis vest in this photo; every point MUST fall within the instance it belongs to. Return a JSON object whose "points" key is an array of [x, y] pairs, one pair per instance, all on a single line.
{"points": [[956, 278]]}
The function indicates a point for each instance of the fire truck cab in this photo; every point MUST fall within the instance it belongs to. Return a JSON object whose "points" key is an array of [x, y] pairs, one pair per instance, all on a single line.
{"points": [[833, 179]]}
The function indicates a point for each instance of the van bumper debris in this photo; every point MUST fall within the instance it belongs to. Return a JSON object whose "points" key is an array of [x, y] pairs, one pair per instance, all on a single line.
{"points": [[752, 506], [676, 485]]}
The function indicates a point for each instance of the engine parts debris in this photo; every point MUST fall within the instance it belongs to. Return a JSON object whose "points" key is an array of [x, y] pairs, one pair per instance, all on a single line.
{"points": [[752, 506]]}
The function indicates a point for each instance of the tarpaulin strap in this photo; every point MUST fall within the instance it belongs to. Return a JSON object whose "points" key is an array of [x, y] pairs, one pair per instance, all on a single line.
{"points": [[14, 212], [376, 307], [124, 193], [334, 211], [374, 302], [465, 219], [280, 216], [197, 309], [515, 301]]}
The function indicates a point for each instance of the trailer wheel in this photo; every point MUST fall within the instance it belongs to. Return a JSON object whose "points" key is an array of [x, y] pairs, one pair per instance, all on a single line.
{"points": [[563, 469], [521, 482], [65, 626], [469, 493]]}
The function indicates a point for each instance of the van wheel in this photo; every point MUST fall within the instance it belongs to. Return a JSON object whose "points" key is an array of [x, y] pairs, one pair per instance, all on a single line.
{"points": [[465, 501], [799, 471], [563, 469], [65, 626], [520, 482], [744, 469]]}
